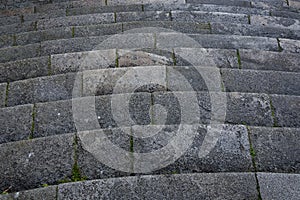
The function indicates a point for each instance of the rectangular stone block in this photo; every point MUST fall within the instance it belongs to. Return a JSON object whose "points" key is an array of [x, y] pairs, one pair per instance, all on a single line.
{"points": [[142, 16], [265, 60], [3, 87], [276, 149], [289, 46], [81, 61], [47, 193], [242, 3], [97, 30], [19, 52], [43, 89], [274, 21], [286, 110], [183, 186], [261, 81], [36, 162], [16, 123], [17, 28], [24, 69], [200, 16], [229, 150], [279, 186]]}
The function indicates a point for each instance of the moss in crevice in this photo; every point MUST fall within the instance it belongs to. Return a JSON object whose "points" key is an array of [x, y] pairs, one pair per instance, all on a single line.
{"points": [[115, 17], [143, 9], [73, 32], [14, 40], [239, 58], [249, 19], [76, 174], [280, 49], [287, 2], [273, 113], [174, 58], [117, 59], [209, 28], [6, 95], [49, 66], [33, 122], [22, 18]]}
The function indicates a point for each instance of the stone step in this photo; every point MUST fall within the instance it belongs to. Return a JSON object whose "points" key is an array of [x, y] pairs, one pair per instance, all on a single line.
{"points": [[52, 118], [160, 40], [72, 62], [56, 154]]}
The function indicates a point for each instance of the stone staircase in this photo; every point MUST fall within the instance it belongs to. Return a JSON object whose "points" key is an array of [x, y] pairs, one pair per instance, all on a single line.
{"points": [[223, 92]]}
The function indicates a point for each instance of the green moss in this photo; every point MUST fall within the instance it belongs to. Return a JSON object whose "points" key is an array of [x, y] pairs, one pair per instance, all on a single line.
{"points": [[6, 95], [73, 32], [131, 144], [174, 58], [249, 19], [239, 58], [45, 185], [115, 17], [209, 27], [117, 58], [273, 113]]}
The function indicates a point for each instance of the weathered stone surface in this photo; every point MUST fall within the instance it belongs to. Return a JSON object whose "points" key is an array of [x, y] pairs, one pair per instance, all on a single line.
{"points": [[230, 152], [243, 3], [200, 16], [79, 20], [264, 60], [19, 52], [24, 69], [279, 186], [250, 109], [276, 149], [39, 36], [280, 22], [172, 40], [97, 30], [120, 2], [41, 89], [142, 16], [184, 186], [53, 118], [18, 28], [6, 41], [287, 110], [47, 193], [3, 87], [261, 81], [81, 61], [15, 123], [292, 46], [36, 162]]}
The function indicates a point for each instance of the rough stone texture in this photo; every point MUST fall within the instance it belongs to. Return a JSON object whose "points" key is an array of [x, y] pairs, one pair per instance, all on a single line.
{"points": [[24, 69], [97, 30], [276, 149], [48, 193], [279, 186], [120, 2], [288, 45], [6, 40], [194, 186], [243, 3], [286, 110], [41, 89], [250, 109], [17, 28], [19, 52], [53, 118], [200, 16], [36, 162], [15, 123], [275, 22], [3, 87], [262, 60], [261, 81], [74, 62], [142, 16], [231, 152]]}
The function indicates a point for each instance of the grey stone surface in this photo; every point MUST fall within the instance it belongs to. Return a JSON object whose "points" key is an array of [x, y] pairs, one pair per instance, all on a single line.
{"points": [[142, 16], [250, 109], [97, 30], [15, 123], [276, 149], [80, 61], [42, 89], [120, 2], [279, 186], [288, 45], [169, 40], [70, 45], [53, 118], [230, 153], [23, 69], [19, 52], [6, 41], [280, 22], [261, 81], [200, 16], [183, 27], [264, 60], [48, 193], [185, 186], [36, 162], [3, 87], [243, 3], [39, 36], [286, 110], [17, 28], [79, 20]]}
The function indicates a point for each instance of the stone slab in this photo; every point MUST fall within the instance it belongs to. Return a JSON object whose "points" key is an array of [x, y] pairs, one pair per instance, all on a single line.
{"points": [[19, 52], [276, 149], [16, 123], [36, 162], [288, 45], [279, 186], [194, 186], [47, 193]]}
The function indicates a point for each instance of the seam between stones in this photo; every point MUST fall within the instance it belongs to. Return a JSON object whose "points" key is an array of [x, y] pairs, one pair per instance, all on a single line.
{"points": [[287, 2], [223, 89], [14, 40], [249, 19], [105, 2], [22, 19], [170, 15], [33, 122], [253, 154], [155, 41], [115, 17], [143, 8], [34, 9], [131, 151], [239, 58], [56, 192], [6, 95], [117, 59], [49, 66], [122, 27], [209, 27], [73, 32], [280, 49], [273, 113], [174, 58]]}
